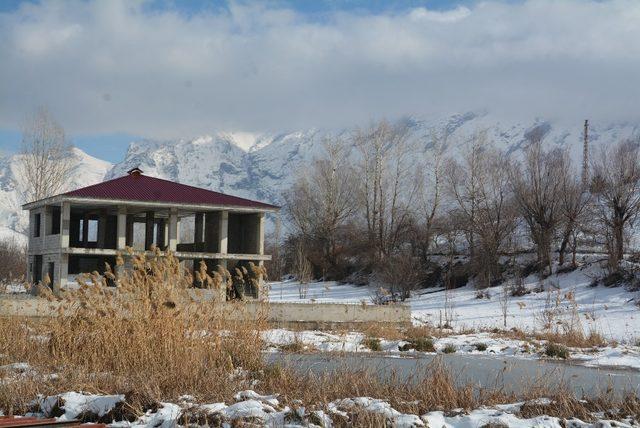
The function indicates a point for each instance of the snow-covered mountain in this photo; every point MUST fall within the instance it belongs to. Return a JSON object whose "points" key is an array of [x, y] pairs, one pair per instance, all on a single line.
{"points": [[263, 166], [14, 222], [266, 168]]}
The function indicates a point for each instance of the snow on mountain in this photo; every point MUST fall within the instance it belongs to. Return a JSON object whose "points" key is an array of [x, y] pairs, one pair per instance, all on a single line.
{"points": [[222, 162], [14, 221], [263, 166]]}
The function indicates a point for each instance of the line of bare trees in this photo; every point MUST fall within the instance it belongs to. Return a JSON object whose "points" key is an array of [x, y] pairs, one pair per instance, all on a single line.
{"points": [[379, 205]]}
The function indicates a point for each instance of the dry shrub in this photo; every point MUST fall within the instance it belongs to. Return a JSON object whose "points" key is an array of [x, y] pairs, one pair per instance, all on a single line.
{"points": [[381, 330], [147, 335], [564, 404], [12, 262], [574, 338]]}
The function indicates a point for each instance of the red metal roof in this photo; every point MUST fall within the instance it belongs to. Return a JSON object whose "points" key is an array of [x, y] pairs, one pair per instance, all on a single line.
{"points": [[138, 187]]}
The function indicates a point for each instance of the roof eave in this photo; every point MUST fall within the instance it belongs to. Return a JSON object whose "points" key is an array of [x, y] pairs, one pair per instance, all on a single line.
{"points": [[190, 206]]}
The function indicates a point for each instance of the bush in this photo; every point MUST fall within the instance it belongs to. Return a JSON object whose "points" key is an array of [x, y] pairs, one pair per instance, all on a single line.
{"points": [[556, 351], [449, 349], [483, 294], [372, 343], [424, 344], [480, 347], [12, 261], [294, 347]]}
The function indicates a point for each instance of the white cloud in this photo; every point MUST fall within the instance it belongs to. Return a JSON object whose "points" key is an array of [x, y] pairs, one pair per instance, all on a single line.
{"points": [[113, 66]]}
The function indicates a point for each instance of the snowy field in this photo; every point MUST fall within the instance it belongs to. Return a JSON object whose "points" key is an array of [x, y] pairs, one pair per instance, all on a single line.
{"points": [[610, 311]]}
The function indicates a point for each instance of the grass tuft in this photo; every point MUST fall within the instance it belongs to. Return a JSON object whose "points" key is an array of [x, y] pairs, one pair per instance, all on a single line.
{"points": [[555, 350], [372, 343], [449, 349]]}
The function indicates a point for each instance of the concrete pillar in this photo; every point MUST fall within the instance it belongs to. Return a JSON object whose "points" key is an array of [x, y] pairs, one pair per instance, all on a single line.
{"points": [[165, 233], [223, 232], [65, 224], [260, 234], [62, 272], [121, 241], [148, 231], [198, 230], [44, 221], [85, 230], [173, 230]]}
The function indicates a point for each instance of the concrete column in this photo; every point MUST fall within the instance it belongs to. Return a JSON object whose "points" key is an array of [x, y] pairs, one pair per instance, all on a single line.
{"points": [[223, 232], [173, 230], [62, 272], [44, 221], [85, 230], [148, 232], [65, 224], [121, 241], [198, 230], [260, 234], [165, 233]]}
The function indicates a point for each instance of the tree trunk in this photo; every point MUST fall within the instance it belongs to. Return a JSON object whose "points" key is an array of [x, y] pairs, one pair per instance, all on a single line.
{"points": [[566, 237], [618, 244]]}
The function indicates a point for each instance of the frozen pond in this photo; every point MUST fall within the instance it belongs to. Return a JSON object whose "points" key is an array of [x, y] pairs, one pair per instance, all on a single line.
{"points": [[515, 375]]}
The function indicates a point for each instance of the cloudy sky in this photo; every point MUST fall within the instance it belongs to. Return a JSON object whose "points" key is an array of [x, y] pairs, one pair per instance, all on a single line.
{"points": [[113, 70]]}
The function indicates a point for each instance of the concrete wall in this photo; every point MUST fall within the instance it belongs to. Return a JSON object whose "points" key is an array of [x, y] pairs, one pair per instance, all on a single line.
{"points": [[309, 315]]}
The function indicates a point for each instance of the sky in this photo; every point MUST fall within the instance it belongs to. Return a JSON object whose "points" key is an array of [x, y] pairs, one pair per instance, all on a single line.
{"points": [[112, 71]]}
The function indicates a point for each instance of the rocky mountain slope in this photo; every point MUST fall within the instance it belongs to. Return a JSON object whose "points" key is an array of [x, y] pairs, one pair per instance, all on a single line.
{"points": [[263, 166]]}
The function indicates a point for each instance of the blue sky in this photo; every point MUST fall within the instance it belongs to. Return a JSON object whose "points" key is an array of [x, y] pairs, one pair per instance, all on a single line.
{"points": [[112, 71]]}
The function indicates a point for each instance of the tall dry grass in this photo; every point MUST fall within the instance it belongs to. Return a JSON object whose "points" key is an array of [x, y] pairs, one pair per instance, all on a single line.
{"points": [[150, 334]]}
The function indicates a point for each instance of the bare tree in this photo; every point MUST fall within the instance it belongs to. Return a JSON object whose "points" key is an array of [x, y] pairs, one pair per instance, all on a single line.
{"points": [[574, 200], [537, 188], [321, 201], [12, 265], [616, 187], [45, 160], [485, 209], [429, 199], [303, 271], [400, 274], [463, 185], [388, 185]]}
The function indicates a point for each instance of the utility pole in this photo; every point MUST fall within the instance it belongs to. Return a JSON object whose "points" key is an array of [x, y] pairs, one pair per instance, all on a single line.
{"points": [[585, 156]]}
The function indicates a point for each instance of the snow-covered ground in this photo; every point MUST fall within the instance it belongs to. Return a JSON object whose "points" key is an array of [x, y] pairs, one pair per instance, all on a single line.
{"points": [[610, 311], [267, 410], [567, 299]]}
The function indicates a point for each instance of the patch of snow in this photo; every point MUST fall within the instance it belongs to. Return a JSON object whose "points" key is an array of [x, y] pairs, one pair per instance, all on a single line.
{"points": [[75, 403]]}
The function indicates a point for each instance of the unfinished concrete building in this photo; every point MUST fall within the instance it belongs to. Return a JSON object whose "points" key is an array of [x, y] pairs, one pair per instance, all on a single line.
{"points": [[79, 231]]}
